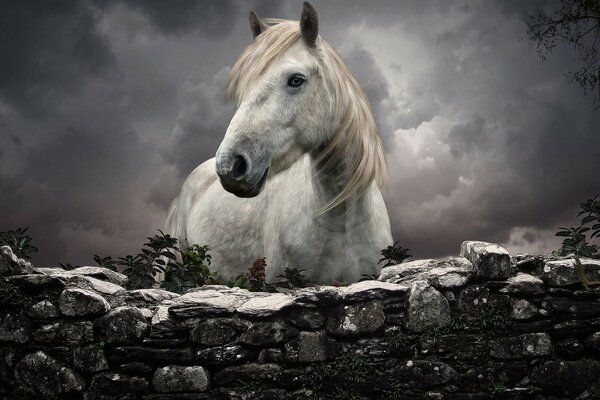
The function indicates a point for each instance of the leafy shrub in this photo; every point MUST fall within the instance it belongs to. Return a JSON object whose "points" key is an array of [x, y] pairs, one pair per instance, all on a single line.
{"points": [[576, 241], [19, 242]]}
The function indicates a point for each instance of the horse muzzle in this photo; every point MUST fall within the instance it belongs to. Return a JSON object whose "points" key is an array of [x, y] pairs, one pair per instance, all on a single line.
{"points": [[237, 179]]}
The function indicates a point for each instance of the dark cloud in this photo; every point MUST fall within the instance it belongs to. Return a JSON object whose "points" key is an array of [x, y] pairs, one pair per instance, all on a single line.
{"points": [[213, 18], [47, 49]]}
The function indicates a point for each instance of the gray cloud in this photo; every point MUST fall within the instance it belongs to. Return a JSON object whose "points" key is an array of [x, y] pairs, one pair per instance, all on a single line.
{"points": [[105, 107]]}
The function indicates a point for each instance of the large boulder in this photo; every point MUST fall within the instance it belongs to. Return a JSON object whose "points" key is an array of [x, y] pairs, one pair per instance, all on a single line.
{"points": [[427, 308], [489, 260], [76, 302], [121, 325]]}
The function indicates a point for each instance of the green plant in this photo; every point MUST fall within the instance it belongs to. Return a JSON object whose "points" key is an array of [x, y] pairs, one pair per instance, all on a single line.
{"points": [[293, 278], [19, 242], [191, 272], [393, 255], [576, 241]]}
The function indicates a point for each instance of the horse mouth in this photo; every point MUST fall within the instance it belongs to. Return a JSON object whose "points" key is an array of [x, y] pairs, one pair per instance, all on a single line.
{"points": [[242, 189]]}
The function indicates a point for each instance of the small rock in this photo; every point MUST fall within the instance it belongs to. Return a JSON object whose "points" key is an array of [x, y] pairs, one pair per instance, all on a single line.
{"points": [[70, 333], [523, 284], [268, 333], [569, 348], [177, 378], [76, 302], [46, 378], [43, 310], [523, 346], [450, 274], [356, 319], [310, 347], [522, 309], [489, 260], [121, 325], [427, 308], [217, 331], [10, 264], [226, 355], [322, 295], [90, 358]]}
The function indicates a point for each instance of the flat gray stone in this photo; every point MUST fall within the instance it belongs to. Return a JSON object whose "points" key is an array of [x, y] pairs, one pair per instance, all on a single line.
{"points": [[76, 302], [139, 297], [321, 295], [562, 272], [427, 308], [178, 378], [46, 378], [406, 272], [370, 290], [122, 325], [114, 294], [251, 372], [356, 319], [265, 306], [103, 274], [210, 302], [489, 260]]}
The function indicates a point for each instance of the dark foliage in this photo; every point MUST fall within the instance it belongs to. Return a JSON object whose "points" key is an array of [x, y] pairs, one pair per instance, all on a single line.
{"points": [[19, 242], [576, 240], [575, 23], [293, 278], [394, 255]]}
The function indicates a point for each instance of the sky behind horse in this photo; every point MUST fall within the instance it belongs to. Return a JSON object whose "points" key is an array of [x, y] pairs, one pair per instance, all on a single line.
{"points": [[106, 106]]}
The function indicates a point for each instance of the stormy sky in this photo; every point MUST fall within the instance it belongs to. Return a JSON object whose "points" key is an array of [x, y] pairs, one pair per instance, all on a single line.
{"points": [[106, 106]]}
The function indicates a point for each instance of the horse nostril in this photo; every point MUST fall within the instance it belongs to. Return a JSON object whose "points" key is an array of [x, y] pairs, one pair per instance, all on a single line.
{"points": [[239, 167]]}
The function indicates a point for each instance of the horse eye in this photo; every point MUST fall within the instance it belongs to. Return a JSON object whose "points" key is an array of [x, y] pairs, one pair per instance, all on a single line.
{"points": [[295, 81]]}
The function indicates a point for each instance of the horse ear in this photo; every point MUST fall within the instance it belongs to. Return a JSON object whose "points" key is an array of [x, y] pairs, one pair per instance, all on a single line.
{"points": [[256, 25], [309, 24]]}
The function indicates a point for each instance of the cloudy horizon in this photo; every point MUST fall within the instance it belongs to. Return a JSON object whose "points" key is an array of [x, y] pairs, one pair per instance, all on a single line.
{"points": [[106, 106]]}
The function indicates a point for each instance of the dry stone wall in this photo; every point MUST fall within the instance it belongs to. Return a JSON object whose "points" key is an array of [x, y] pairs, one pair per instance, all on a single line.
{"points": [[479, 326]]}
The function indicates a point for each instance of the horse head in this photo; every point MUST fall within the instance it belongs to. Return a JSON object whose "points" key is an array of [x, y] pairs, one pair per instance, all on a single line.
{"points": [[283, 107]]}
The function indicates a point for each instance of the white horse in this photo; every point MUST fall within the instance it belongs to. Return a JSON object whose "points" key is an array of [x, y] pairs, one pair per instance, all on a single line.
{"points": [[296, 178]]}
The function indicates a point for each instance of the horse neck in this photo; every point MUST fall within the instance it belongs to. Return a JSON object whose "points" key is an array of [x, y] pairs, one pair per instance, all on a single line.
{"points": [[327, 181]]}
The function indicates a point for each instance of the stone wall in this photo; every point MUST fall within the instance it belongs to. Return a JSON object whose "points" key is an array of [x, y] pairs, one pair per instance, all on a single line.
{"points": [[480, 326]]}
